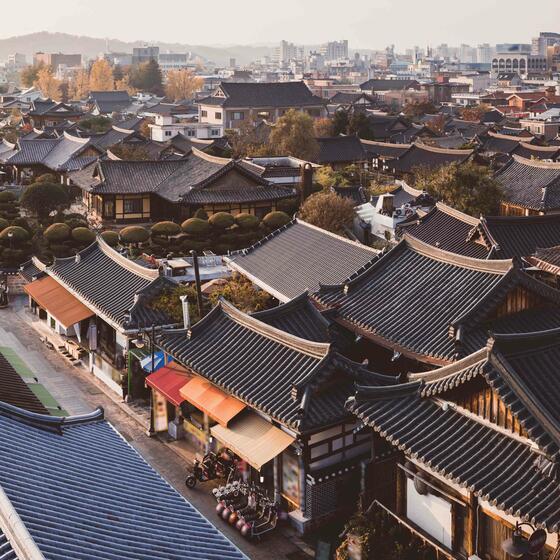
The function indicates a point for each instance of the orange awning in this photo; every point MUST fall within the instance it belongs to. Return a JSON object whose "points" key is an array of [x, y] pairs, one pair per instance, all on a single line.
{"points": [[58, 301], [168, 380], [220, 406]]}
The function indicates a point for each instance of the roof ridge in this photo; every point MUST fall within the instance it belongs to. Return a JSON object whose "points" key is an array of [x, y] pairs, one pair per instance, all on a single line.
{"points": [[436, 150], [535, 147], [137, 269], [386, 144], [457, 214], [208, 157], [446, 371], [536, 162], [336, 236], [507, 137], [315, 349], [497, 266]]}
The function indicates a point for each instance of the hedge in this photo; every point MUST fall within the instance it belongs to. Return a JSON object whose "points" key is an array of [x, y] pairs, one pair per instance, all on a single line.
{"points": [[57, 232], [166, 228], [18, 234], [110, 237], [83, 235], [7, 196], [275, 220], [134, 234], [247, 221], [195, 226], [221, 220]]}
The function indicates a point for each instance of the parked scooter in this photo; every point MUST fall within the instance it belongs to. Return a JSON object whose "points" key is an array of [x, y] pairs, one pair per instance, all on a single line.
{"points": [[211, 467]]}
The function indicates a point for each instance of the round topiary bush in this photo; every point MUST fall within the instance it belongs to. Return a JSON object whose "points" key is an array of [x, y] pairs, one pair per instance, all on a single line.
{"points": [[7, 196], [110, 237], [134, 234], [3, 224], [275, 220], [83, 235], [18, 234], [195, 226], [61, 251], [22, 222], [247, 221], [221, 220], [166, 229], [74, 223], [57, 232], [201, 214]]}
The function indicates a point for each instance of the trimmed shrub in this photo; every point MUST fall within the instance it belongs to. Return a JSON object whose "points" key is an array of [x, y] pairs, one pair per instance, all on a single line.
{"points": [[221, 220], [201, 214], [73, 223], [23, 223], [18, 234], [57, 232], [3, 224], [195, 226], [83, 235], [7, 196], [47, 178], [247, 221], [166, 229], [111, 238], [134, 234], [62, 251], [275, 220]]}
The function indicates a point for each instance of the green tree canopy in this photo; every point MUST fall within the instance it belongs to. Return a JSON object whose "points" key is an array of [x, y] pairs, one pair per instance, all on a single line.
{"points": [[134, 234], [110, 237], [57, 232], [294, 135], [15, 233], [275, 220], [42, 198], [147, 77], [328, 211], [468, 187], [83, 235], [166, 228]]}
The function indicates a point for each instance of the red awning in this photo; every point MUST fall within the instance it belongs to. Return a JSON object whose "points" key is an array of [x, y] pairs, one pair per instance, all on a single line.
{"points": [[168, 380]]}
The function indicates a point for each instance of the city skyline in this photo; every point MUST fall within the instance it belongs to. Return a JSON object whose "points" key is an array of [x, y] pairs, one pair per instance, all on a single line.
{"points": [[361, 26]]}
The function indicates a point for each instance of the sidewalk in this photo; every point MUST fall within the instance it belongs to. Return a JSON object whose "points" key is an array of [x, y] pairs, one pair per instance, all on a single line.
{"points": [[78, 392]]}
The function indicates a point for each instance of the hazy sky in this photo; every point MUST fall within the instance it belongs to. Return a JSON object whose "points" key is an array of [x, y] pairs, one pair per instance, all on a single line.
{"points": [[365, 23]]}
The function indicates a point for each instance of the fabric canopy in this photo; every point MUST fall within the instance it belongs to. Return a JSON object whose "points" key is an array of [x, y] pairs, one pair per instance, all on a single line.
{"points": [[220, 406], [253, 438], [58, 301], [168, 381], [146, 361]]}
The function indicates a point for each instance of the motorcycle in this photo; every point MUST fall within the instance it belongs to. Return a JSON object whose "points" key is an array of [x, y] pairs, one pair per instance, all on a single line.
{"points": [[211, 467]]}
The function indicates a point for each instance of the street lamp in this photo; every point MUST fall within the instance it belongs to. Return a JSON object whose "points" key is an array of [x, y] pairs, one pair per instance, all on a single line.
{"points": [[11, 237]]}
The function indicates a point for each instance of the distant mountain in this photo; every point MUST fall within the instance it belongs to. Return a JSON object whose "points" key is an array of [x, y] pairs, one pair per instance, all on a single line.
{"points": [[91, 47]]}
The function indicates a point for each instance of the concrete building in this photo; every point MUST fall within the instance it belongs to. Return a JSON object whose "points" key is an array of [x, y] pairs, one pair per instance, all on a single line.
{"points": [[335, 50], [144, 54], [57, 59], [173, 61], [545, 39]]}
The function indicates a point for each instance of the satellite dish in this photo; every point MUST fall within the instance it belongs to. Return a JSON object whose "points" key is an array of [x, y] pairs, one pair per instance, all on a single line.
{"points": [[537, 541]]}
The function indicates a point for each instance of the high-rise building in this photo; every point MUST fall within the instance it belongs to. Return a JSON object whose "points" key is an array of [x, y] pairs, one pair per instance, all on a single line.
{"points": [[545, 39], [335, 50], [144, 54], [54, 60], [467, 54], [288, 52], [485, 53], [16, 61]]}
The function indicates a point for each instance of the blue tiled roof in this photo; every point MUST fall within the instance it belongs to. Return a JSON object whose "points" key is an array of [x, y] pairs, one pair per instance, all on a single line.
{"points": [[84, 493], [6, 550]]}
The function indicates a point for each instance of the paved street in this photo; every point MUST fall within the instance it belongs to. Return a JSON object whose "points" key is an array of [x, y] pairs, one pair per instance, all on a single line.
{"points": [[78, 392]]}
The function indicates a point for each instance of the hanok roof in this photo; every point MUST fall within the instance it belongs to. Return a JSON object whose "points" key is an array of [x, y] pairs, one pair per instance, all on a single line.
{"points": [[388, 85], [43, 107], [447, 229], [547, 259], [429, 304], [530, 151], [6, 549], [58, 154], [15, 391], [115, 135], [299, 257], [495, 143], [519, 236], [265, 367], [500, 468], [531, 184], [384, 150], [111, 284], [428, 157], [83, 492], [255, 95], [299, 317], [110, 101], [350, 98], [183, 180], [340, 149]]}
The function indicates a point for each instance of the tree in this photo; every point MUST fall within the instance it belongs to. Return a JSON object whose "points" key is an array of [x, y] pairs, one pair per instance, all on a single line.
{"points": [[323, 128], [328, 211], [246, 141], [134, 235], [275, 220], [96, 124], [101, 76], [327, 178], [28, 76], [418, 109], [340, 122], [57, 232], [42, 198], [469, 187], [48, 84], [437, 124], [166, 229], [359, 125], [474, 114], [124, 85], [130, 152], [242, 294], [147, 77], [294, 135], [182, 84], [79, 86]]}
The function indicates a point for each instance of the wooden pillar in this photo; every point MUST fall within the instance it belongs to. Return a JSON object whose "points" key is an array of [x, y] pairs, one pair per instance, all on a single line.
{"points": [[472, 525], [401, 492]]}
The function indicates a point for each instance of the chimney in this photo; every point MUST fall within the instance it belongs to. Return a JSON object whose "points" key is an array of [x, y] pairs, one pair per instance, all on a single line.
{"points": [[306, 183], [186, 314]]}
